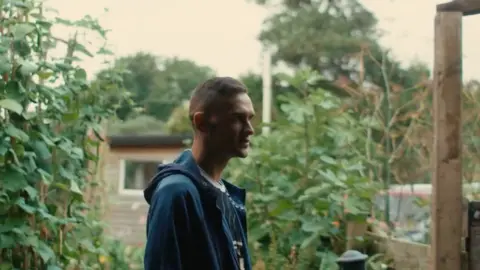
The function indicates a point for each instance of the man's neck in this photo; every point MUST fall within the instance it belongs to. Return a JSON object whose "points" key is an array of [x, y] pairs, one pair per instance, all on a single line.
{"points": [[210, 164]]}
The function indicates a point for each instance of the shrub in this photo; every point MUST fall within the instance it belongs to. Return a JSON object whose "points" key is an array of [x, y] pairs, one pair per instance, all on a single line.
{"points": [[306, 179]]}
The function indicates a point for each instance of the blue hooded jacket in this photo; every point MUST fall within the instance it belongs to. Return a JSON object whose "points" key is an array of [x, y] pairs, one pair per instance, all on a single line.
{"points": [[185, 228]]}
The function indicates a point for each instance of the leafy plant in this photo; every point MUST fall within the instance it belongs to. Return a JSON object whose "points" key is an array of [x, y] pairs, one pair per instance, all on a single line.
{"points": [[143, 124], [50, 136], [120, 256], [306, 180], [179, 121]]}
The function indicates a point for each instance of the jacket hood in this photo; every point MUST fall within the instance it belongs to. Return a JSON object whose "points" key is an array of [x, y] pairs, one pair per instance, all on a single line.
{"points": [[184, 164]]}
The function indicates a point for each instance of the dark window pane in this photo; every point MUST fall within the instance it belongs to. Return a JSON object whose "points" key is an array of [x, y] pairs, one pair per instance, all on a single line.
{"points": [[139, 173]]}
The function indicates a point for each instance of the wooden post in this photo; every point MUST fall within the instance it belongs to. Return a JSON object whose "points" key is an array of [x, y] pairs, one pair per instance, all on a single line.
{"points": [[467, 7], [447, 165]]}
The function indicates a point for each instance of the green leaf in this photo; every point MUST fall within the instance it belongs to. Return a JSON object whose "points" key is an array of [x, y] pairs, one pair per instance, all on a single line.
{"points": [[329, 175], [63, 67], [11, 130], [316, 190], [45, 252], [68, 117], [20, 30], [45, 176], [25, 207], [81, 74], [14, 157], [66, 173], [7, 241], [75, 188], [11, 105], [31, 241], [20, 4], [258, 232], [5, 65], [64, 21], [328, 159], [27, 68], [13, 181], [79, 47], [329, 261], [44, 74], [352, 206], [313, 226], [19, 150], [77, 153], [281, 207], [47, 140], [60, 186], [32, 192], [87, 244], [105, 51], [310, 240], [41, 150], [288, 216]]}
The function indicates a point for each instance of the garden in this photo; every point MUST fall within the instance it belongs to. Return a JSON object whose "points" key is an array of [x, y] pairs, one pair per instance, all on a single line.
{"points": [[334, 144]]}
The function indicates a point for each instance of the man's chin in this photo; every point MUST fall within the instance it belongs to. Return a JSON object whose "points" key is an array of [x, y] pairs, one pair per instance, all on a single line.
{"points": [[242, 153]]}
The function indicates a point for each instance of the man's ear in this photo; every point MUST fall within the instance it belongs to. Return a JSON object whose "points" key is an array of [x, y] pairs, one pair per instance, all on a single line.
{"points": [[199, 121]]}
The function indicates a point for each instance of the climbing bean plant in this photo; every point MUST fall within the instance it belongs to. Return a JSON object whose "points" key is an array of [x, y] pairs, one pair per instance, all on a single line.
{"points": [[48, 154]]}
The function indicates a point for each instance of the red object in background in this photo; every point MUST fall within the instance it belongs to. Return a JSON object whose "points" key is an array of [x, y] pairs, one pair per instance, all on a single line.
{"points": [[142, 220]]}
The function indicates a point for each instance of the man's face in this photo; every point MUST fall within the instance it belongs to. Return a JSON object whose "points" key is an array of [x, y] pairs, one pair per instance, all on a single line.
{"points": [[230, 127]]}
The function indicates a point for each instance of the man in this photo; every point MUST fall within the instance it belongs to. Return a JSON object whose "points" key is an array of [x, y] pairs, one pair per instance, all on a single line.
{"points": [[196, 219]]}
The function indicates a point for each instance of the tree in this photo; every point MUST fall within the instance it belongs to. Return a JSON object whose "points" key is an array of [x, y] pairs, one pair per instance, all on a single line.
{"points": [[179, 121], [176, 80], [336, 38], [157, 85], [140, 125]]}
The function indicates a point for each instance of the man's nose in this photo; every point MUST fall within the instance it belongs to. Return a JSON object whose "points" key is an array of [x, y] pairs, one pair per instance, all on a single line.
{"points": [[250, 131]]}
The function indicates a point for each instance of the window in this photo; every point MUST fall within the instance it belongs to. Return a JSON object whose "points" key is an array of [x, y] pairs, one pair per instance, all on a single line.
{"points": [[136, 174]]}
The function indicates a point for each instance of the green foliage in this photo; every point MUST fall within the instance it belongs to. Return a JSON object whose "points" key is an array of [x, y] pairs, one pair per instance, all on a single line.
{"points": [[157, 85], [337, 38], [254, 84], [306, 179], [121, 257], [179, 121], [49, 155], [142, 124]]}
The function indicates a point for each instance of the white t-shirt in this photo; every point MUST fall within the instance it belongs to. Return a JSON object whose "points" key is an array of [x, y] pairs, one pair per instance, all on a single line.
{"points": [[217, 184]]}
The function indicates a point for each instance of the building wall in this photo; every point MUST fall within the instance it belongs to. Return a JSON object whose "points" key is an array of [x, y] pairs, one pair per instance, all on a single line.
{"points": [[127, 210]]}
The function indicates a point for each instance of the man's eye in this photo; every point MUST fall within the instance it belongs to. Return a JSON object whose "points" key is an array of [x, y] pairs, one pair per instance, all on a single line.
{"points": [[238, 116]]}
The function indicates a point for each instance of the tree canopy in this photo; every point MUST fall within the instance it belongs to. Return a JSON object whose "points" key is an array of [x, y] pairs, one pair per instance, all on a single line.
{"points": [[337, 38], [158, 84]]}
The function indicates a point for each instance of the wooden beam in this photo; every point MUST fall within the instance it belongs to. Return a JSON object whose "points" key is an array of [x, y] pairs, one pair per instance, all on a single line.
{"points": [[447, 149], [466, 7]]}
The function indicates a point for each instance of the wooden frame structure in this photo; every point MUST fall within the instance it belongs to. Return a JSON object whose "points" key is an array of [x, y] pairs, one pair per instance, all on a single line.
{"points": [[446, 244]]}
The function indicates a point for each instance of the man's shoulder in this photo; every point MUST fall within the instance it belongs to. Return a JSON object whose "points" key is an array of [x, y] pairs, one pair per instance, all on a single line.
{"points": [[177, 185]]}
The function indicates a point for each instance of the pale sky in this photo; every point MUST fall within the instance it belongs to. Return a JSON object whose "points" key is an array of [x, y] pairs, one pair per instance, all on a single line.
{"points": [[222, 33]]}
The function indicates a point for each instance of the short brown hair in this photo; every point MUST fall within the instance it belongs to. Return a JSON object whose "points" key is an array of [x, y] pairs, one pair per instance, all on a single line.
{"points": [[208, 93]]}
